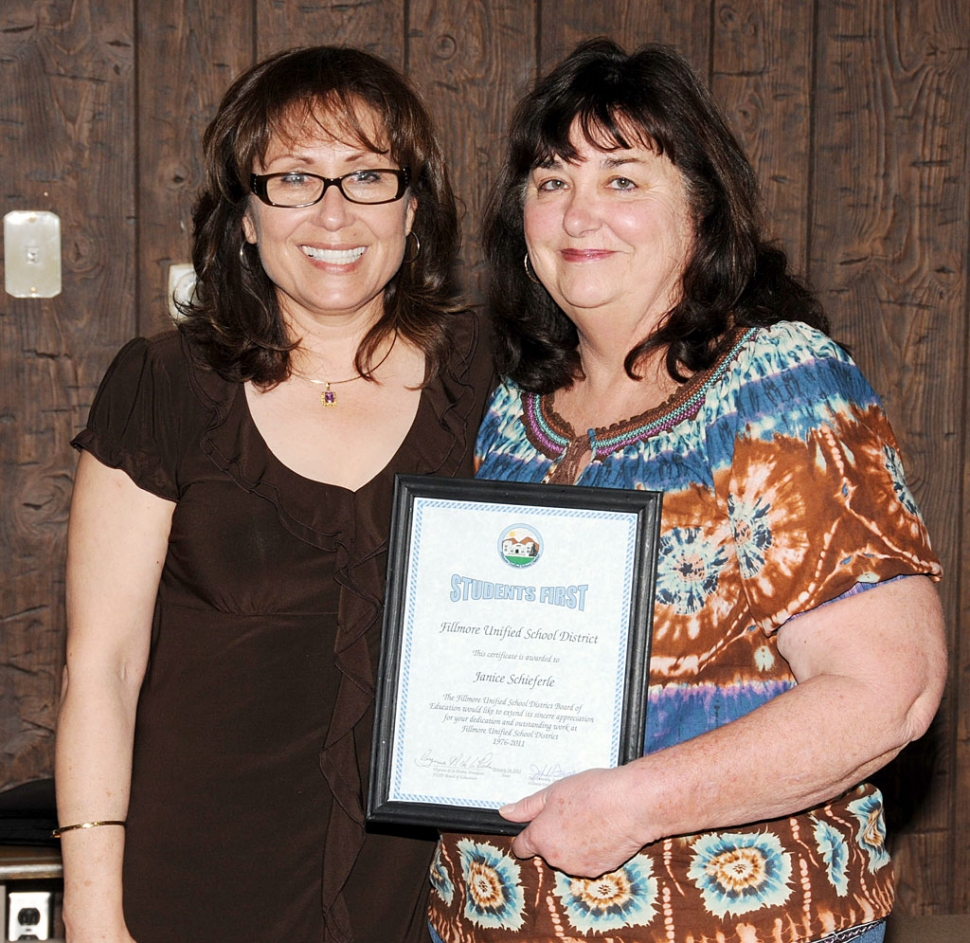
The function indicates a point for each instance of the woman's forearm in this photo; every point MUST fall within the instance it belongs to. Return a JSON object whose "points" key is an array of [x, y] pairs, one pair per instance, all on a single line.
{"points": [[871, 671], [117, 541], [796, 752], [93, 776]]}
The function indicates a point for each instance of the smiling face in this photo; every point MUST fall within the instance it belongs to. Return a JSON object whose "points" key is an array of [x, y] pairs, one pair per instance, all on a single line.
{"points": [[609, 235], [334, 259]]}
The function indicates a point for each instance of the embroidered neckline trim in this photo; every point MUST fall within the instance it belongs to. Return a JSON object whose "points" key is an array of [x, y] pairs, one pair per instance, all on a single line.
{"points": [[552, 435]]}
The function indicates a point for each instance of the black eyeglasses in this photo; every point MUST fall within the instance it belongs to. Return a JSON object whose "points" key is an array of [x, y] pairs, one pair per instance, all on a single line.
{"points": [[295, 188]]}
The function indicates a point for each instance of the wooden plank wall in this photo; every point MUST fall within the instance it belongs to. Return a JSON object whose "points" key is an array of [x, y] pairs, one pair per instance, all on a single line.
{"points": [[855, 113]]}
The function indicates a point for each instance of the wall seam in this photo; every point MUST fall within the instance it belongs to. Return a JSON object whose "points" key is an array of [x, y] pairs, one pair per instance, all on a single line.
{"points": [[537, 41], [406, 38], [254, 33], [812, 156], [711, 21], [136, 183], [956, 656]]}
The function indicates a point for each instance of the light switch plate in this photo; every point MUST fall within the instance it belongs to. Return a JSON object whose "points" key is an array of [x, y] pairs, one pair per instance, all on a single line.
{"points": [[32, 253], [181, 286]]}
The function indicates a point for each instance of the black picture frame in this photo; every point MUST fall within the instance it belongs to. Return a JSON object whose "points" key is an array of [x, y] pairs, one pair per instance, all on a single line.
{"points": [[643, 506]]}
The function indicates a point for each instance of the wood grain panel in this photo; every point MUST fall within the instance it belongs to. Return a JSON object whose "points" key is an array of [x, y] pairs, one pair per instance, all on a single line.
{"points": [[375, 25], [855, 115], [958, 863], [189, 53], [923, 859], [631, 23], [954, 23], [66, 101], [471, 61], [888, 187], [761, 77]]}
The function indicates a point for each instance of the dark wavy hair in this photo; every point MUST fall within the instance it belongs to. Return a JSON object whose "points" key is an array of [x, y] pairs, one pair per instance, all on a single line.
{"points": [[235, 315], [651, 98]]}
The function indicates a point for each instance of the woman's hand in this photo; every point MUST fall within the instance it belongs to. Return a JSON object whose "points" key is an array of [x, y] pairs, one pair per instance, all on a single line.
{"points": [[584, 825]]}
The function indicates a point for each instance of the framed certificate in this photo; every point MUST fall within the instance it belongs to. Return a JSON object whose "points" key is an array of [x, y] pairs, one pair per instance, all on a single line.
{"points": [[515, 645]]}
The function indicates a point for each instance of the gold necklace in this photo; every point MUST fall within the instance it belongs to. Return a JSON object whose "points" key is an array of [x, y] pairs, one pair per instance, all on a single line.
{"points": [[328, 397]]}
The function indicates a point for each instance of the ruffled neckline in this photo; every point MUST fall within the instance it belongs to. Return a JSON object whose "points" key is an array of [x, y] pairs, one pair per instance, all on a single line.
{"points": [[434, 445]]}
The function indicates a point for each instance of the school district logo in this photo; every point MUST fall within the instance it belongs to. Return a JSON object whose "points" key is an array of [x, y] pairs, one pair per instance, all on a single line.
{"points": [[520, 545]]}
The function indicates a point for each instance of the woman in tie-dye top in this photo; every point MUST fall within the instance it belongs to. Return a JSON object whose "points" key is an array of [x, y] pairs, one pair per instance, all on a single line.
{"points": [[797, 640]]}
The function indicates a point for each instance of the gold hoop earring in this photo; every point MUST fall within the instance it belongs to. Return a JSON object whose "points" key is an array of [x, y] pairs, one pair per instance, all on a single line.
{"points": [[417, 247], [528, 270]]}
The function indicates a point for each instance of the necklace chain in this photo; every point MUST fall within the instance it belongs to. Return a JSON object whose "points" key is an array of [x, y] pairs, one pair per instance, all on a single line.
{"points": [[327, 397], [303, 376]]}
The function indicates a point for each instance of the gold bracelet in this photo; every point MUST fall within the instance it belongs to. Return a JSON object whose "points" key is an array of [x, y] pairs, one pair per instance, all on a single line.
{"points": [[70, 828]]}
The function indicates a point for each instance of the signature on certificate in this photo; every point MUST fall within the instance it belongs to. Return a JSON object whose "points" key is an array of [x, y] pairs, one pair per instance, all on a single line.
{"points": [[543, 775], [454, 760]]}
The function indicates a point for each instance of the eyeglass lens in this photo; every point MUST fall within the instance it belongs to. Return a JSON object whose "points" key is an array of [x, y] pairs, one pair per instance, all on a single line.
{"points": [[362, 186]]}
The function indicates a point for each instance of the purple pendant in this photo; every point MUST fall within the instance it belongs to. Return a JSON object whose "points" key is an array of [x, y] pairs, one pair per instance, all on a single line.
{"points": [[329, 398]]}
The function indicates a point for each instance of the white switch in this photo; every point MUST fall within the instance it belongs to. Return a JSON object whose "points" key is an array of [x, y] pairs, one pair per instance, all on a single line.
{"points": [[181, 286], [32, 254]]}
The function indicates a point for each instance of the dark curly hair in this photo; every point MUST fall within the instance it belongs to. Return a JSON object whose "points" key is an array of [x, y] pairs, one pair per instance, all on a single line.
{"points": [[653, 99], [235, 315]]}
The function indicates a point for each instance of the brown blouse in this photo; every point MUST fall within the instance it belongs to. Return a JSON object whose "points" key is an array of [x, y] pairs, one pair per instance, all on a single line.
{"points": [[254, 724]]}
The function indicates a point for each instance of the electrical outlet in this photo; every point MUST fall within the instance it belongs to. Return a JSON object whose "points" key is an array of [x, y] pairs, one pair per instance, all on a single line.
{"points": [[29, 915]]}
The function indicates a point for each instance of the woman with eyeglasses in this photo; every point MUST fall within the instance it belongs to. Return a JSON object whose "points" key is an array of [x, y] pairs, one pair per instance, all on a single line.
{"points": [[229, 525]]}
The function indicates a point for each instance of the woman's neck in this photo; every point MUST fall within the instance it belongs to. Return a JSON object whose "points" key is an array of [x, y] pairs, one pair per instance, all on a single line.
{"points": [[330, 351], [606, 394]]}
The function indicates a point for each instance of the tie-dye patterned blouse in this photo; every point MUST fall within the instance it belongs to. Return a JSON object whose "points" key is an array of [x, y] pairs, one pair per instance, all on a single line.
{"points": [[783, 489]]}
